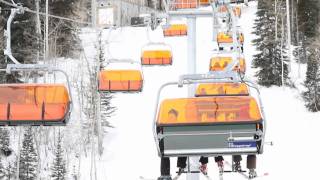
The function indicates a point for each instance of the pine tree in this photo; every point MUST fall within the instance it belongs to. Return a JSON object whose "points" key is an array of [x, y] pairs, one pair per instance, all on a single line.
{"points": [[2, 171], [5, 142], [308, 11], [268, 60], [312, 82], [64, 39], [59, 164], [28, 157], [11, 171]]}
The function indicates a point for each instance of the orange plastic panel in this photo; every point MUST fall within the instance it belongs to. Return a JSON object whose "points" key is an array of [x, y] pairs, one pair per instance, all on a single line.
{"points": [[176, 30], [120, 80], [219, 63], [218, 89], [237, 11], [223, 9], [227, 37], [185, 4], [156, 57], [30, 102], [206, 110], [204, 2]]}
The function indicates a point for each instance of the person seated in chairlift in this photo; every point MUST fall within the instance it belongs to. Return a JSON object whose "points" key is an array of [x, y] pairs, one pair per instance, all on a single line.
{"points": [[181, 161]]}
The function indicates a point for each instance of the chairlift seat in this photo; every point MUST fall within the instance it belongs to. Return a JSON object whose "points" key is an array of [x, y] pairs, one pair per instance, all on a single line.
{"points": [[222, 89], [34, 104], [209, 126], [220, 63], [237, 11], [176, 30], [204, 2], [185, 4], [120, 80], [223, 37], [156, 57]]}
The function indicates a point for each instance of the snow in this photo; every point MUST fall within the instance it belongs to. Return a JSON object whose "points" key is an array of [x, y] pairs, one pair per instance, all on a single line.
{"points": [[156, 46], [130, 151]]}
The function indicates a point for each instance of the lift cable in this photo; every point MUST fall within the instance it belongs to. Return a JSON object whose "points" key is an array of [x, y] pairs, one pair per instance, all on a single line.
{"points": [[43, 14]]}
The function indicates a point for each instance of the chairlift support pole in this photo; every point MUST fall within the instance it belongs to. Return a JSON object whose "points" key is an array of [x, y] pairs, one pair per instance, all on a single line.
{"points": [[191, 16]]}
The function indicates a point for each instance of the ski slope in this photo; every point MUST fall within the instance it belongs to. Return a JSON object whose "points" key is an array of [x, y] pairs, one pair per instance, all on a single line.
{"points": [[130, 151]]}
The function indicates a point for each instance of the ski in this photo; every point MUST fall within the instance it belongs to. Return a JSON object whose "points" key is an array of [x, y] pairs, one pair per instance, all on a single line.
{"points": [[144, 178], [243, 173]]}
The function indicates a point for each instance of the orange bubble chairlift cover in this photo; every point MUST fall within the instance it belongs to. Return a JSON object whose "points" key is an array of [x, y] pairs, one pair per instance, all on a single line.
{"points": [[223, 37], [204, 2], [222, 89], [237, 11], [33, 102], [176, 30], [156, 57], [220, 63], [185, 4], [209, 110], [120, 80]]}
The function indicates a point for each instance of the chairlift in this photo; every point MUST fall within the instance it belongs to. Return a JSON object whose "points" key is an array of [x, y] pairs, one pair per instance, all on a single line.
{"points": [[237, 11], [175, 30], [183, 4], [225, 39], [121, 75], [219, 63], [209, 125], [156, 54], [34, 104]]}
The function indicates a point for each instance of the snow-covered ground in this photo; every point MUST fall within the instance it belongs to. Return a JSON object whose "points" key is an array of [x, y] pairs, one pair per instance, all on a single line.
{"points": [[130, 151]]}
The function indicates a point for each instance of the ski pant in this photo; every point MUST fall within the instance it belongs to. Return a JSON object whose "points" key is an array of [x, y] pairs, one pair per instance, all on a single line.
{"points": [[182, 161]]}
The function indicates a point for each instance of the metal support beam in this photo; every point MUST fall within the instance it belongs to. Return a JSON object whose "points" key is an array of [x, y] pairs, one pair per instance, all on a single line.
{"points": [[192, 51], [192, 68], [7, 34]]}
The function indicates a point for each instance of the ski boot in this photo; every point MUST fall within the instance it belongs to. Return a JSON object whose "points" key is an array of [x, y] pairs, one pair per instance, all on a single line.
{"points": [[180, 171], [219, 161], [203, 168], [251, 165], [252, 173], [236, 163]]}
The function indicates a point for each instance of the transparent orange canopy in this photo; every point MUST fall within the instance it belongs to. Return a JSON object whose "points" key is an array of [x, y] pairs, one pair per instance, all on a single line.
{"points": [[237, 11], [226, 37], [185, 4], [222, 89], [156, 57], [220, 63], [207, 110], [33, 102], [120, 80], [176, 30], [204, 2], [223, 9]]}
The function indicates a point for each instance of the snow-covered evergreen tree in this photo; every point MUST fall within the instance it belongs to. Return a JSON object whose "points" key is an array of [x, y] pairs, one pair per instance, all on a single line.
{"points": [[2, 171], [59, 165], [5, 141], [312, 82], [64, 39], [270, 54], [28, 157]]}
